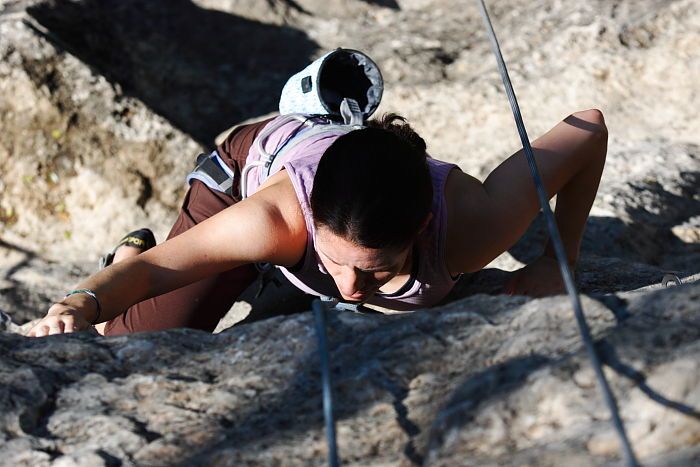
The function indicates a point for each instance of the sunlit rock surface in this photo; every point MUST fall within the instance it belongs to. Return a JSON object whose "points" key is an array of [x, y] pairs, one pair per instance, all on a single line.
{"points": [[103, 108]]}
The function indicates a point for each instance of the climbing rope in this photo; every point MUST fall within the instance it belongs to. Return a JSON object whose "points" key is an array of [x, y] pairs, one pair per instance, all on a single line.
{"points": [[321, 324], [558, 247]]}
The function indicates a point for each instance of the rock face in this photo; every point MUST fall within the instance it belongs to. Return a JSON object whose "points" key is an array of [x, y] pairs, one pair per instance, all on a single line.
{"points": [[482, 381], [103, 106]]}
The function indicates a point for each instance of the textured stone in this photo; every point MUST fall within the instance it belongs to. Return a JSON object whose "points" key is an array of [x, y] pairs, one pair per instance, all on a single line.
{"points": [[103, 107], [482, 381]]}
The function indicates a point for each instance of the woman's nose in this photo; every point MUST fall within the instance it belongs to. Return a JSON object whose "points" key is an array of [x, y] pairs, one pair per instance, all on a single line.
{"points": [[352, 282]]}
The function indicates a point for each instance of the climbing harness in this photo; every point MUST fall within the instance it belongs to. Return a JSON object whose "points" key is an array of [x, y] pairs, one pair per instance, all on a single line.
{"points": [[558, 246], [211, 170]]}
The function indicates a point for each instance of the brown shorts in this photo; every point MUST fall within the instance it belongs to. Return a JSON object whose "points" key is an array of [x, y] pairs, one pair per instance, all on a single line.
{"points": [[202, 304]]}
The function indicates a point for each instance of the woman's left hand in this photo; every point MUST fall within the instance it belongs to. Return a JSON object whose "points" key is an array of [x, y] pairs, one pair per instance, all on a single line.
{"points": [[538, 279]]}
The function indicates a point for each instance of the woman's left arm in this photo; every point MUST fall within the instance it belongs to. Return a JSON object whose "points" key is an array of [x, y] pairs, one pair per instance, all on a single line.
{"points": [[489, 218]]}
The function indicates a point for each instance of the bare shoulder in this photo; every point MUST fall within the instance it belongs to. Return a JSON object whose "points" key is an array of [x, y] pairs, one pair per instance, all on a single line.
{"points": [[469, 212], [277, 202], [277, 193]]}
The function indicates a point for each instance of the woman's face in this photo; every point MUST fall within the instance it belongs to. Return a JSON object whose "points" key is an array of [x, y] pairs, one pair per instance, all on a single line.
{"points": [[358, 272]]}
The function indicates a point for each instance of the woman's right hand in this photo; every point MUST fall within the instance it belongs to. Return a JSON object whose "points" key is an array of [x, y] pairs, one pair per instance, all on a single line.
{"points": [[60, 318]]}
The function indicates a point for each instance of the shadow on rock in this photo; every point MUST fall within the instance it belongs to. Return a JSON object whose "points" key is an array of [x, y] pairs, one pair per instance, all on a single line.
{"points": [[610, 358], [29, 284], [202, 70], [491, 384], [618, 255], [393, 4], [363, 368], [14, 296], [648, 237]]}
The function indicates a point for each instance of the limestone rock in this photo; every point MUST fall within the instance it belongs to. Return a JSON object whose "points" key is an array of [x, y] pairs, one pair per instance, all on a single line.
{"points": [[103, 107], [482, 381]]}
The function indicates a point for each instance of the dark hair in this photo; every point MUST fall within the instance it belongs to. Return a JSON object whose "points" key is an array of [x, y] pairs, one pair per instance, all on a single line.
{"points": [[373, 186]]}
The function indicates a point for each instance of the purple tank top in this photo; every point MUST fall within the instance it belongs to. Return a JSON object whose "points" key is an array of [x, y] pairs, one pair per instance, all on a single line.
{"points": [[430, 279]]}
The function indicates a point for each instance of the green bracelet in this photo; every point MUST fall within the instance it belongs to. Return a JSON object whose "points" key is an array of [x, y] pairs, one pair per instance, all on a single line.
{"points": [[94, 297]]}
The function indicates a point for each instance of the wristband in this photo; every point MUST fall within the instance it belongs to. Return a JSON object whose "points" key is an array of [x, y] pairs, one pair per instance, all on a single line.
{"points": [[93, 295]]}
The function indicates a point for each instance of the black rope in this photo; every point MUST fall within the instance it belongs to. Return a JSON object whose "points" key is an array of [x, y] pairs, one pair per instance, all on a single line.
{"points": [[320, 319], [558, 247]]}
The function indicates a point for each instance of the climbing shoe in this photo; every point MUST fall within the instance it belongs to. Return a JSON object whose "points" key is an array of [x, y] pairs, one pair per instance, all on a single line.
{"points": [[142, 239]]}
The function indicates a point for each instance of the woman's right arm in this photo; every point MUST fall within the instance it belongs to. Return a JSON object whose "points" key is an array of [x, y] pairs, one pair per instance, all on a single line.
{"points": [[267, 227]]}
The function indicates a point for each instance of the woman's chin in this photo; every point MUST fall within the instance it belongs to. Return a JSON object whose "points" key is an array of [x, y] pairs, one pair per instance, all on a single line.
{"points": [[356, 297]]}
